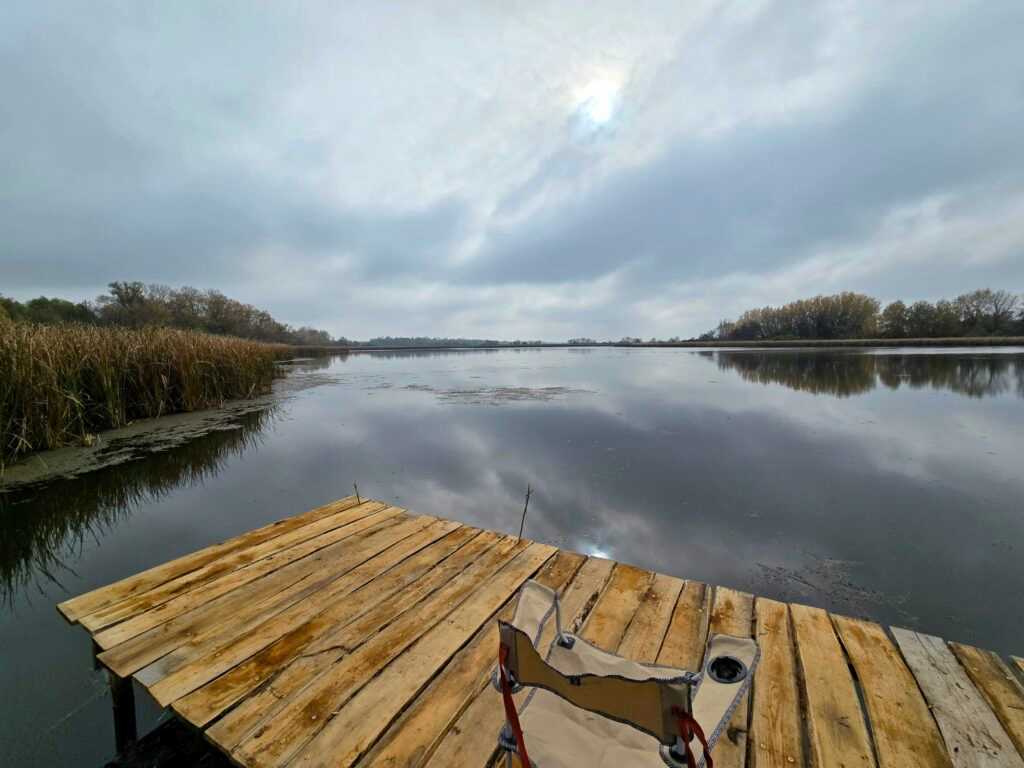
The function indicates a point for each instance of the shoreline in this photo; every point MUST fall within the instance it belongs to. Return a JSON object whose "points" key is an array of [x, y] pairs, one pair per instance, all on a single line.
{"points": [[144, 437], [953, 342]]}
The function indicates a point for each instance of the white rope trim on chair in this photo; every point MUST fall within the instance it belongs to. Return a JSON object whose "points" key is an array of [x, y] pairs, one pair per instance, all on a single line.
{"points": [[744, 687]]}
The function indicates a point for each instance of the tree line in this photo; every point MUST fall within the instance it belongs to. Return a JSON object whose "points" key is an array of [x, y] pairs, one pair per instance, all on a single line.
{"points": [[851, 315], [136, 305], [438, 341]]}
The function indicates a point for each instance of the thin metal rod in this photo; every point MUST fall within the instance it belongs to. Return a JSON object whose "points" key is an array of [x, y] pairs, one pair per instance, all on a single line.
{"points": [[526, 506], [358, 500]]}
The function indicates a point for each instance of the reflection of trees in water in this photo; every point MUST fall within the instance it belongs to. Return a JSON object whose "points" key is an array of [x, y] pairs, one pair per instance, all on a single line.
{"points": [[844, 375], [320, 363], [974, 376], [42, 525], [840, 375]]}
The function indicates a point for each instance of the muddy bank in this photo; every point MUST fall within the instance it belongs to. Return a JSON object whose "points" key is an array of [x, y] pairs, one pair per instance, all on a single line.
{"points": [[148, 436]]}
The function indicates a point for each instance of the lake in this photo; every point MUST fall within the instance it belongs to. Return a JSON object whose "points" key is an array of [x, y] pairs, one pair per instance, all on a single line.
{"points": [[879, 483]]}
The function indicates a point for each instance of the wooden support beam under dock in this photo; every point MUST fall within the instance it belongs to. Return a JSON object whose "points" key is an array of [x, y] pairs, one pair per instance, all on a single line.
{"points": [[358, 634]]}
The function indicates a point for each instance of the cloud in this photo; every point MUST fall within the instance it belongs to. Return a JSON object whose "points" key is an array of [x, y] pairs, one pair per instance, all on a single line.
{"points": [[377, 173]]}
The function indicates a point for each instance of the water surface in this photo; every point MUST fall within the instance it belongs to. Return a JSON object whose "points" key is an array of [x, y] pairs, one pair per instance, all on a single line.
{"points": [[879, 483]]}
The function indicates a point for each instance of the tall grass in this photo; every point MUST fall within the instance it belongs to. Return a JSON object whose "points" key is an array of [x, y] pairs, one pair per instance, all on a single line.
{"points": [[61, 383]]}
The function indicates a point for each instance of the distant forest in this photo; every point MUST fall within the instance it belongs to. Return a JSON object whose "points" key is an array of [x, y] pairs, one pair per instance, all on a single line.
{"points": [[134, 305], [436, 341], [855, 316]]}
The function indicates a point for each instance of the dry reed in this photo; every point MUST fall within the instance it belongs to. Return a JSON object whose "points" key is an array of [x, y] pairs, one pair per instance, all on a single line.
{"points": [[60, 384]]}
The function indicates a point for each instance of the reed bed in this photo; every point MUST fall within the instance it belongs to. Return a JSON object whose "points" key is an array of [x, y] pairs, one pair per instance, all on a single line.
{"points": [[60, 384]]}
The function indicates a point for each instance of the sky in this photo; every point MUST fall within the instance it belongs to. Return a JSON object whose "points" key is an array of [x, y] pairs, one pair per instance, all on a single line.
{"points": [[515, 169]]}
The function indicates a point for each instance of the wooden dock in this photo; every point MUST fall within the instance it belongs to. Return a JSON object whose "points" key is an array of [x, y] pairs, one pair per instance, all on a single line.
{"points": [[358, 634]]}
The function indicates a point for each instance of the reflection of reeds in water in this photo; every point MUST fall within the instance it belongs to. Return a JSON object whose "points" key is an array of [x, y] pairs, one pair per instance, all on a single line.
{"points": [[843, 375], [44, 527]]}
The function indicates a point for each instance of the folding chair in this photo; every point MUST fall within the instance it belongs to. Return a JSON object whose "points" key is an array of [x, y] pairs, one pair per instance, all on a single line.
{"points": [[591, 708]]}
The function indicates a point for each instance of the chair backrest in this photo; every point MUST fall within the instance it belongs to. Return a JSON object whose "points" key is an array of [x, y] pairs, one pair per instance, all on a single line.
{"points": [[646, 697]]}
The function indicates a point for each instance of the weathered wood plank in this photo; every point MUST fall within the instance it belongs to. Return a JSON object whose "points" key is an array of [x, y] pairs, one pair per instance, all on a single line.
{"points": [[1003, 692], [1019, 662], [905, 733], [606, 625], [776, 727], [250, 600], [687, 633], [232, 580], [646, 632], [326, 648], [229, 639], [351, 732], [290, 728], [91, 601], [837, 731], [414, 735], [472, 739], [974, 738], [732, 614], [234, 648], [203, 705], [350, 521]]}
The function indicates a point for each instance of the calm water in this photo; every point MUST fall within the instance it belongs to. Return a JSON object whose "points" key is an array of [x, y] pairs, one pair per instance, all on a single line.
{"points": [[886, 484]]}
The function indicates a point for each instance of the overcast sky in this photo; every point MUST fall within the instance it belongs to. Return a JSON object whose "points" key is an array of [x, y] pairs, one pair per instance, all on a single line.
{"points": [[512, 169]]}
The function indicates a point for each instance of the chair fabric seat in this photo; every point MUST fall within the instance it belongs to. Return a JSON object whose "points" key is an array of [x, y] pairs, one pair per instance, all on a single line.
{"points": [[560, 735]]}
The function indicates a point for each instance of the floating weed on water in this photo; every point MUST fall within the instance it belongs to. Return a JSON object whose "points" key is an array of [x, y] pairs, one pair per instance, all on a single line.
{"points": [[496, 395]]}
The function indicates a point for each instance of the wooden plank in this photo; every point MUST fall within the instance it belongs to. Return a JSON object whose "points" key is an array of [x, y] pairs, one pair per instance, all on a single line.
{"points": [[607, 623], [837, 731], [974, 738], [646, 632], [1019, 663], [349, 733], [318, 653], [1003, 692], [202, 706], [904, 731], [250, 600], [201, 577], [215, 588], [87, 603], [473, 737], [732, 614], [416, 732], [230, 650], [294, 605], [687, 633], [304, 714], [776, 727], [231, 638]]}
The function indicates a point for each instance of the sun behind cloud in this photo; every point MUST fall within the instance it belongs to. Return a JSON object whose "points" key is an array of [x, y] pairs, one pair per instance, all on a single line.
{"points": [[598, 101]]}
